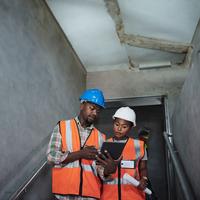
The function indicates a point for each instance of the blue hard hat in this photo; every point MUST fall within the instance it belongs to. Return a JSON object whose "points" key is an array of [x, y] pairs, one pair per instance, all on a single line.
{"points": [[94, 96]]}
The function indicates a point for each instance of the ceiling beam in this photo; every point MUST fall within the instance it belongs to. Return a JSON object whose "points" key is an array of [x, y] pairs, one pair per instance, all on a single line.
{"points": [[154, 43], [188, 58], [141, 41], [114, 11]]}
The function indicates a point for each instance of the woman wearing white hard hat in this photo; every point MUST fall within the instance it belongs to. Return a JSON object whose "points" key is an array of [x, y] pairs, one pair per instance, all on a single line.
{"points": [[133, 160]]}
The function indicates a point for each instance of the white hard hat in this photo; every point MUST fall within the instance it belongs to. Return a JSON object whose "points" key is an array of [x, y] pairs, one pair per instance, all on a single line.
{"points": [[126, 113]]}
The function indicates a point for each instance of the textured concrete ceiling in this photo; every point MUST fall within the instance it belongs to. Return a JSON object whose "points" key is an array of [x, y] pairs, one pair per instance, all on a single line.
{"points": [[111, 34]]}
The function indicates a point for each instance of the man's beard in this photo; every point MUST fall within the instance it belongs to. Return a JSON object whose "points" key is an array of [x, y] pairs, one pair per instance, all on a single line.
{"points": [[90, 120]]}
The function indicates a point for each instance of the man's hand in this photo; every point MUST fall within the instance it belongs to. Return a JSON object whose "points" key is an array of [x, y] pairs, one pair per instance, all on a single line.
{"points": [[110, 165], [89, 153]]}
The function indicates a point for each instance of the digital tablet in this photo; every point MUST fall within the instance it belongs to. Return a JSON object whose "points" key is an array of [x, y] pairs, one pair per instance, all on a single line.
{"points": [[115, 149]]}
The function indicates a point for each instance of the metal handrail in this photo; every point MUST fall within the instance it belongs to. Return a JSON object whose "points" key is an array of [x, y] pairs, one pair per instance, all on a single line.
{"points": [[169, 169], [186, 188], [23, 187]]}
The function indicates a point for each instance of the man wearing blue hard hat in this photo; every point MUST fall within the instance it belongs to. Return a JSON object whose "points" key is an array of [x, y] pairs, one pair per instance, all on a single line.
{"points": [[73, 149]]}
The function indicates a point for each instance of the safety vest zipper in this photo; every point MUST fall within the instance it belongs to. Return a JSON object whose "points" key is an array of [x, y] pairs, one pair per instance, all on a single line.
{"points": [[80, 163], [119, 182]]}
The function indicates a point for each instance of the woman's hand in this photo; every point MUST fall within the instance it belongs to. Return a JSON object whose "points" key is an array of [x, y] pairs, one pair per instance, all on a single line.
{"points": [[143, 183], [109, 164]]}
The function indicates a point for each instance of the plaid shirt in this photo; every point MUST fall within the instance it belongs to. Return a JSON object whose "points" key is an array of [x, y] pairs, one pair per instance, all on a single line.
{"points": [[56, 156]]}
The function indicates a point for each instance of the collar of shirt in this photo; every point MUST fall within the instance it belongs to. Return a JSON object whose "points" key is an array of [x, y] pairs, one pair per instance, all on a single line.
{"points": [[122, 140], [84, 132], [89, 128]]}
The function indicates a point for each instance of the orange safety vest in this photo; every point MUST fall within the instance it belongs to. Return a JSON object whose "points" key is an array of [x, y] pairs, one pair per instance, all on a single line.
{"points": [[78, 177], [118, 188]]}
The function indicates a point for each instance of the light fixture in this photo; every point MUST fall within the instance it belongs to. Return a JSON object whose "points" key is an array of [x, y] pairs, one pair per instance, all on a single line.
{"points": [[154, 65]]}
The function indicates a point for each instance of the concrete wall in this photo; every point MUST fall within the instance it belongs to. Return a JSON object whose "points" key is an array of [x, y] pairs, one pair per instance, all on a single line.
{"points": [[186, 120], [41, 79], [143, 83]]}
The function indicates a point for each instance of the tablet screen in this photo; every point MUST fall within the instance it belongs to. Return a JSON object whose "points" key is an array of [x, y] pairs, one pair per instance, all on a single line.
{"points": [[115, 149]]}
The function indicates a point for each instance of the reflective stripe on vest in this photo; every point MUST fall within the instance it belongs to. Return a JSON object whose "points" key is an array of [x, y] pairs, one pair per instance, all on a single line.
{"points": [[137, 149], [69, 136], [115, 181], [75, 171], [101, 138], [85, 167]]}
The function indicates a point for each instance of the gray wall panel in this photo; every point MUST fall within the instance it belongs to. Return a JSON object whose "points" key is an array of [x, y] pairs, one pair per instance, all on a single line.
{"points": [[41, 79], [186, 120]]}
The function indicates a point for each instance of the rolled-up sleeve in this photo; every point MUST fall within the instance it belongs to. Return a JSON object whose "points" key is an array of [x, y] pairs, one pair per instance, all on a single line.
{"points": [[145, 157], [54, 151]]}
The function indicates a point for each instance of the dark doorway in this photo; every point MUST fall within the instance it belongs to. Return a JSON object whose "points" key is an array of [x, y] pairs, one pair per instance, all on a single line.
{"points": [[149, 113]]}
